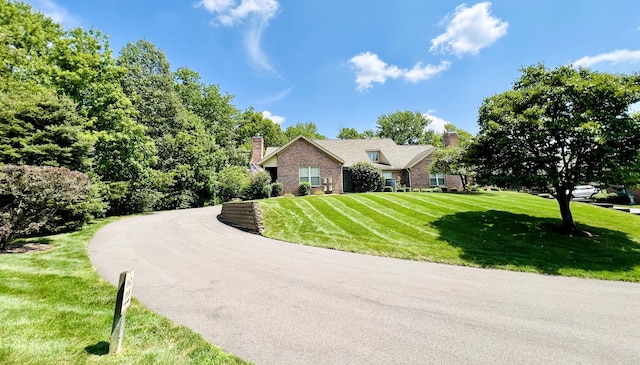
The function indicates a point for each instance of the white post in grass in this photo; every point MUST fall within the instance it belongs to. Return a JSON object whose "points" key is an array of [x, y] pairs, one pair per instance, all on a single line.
{"points": [[123, 301]]}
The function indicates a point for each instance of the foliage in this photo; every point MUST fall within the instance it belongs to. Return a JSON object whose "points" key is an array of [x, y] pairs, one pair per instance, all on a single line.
{"points": [[452, 161], [403, 127], [350, 133], [42, 200], [614, 198], [277, 188], [559, 127], [400, 190], [308, 129], [259, 186], [388, 189], [484, 229], [231, 181], [252, 123], [366, 177], [304, 188]]}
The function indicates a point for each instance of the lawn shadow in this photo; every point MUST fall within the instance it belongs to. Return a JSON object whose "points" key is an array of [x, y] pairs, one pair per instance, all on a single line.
{"points": [[99, 349], [27, 245], [499, 239]]}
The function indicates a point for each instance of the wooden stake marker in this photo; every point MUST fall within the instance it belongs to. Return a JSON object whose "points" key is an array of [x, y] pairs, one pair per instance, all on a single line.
{"points": [[123, 301]]}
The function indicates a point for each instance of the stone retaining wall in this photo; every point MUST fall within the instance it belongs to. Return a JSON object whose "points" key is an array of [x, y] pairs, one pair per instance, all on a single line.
{"points": [[243, 215]]}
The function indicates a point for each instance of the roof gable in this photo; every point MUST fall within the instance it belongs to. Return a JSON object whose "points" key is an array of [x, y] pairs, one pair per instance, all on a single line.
{"points": [[274, 152]]}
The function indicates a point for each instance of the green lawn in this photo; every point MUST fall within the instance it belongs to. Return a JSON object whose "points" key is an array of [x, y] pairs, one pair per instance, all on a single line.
{"points": [[55, 309], [486, 229]]}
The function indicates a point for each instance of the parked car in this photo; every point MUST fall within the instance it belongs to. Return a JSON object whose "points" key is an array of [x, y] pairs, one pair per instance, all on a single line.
{"points": [[584, 191]]}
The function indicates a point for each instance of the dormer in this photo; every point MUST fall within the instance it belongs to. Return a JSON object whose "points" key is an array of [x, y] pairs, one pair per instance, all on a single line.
{"points": [[376, 156]]}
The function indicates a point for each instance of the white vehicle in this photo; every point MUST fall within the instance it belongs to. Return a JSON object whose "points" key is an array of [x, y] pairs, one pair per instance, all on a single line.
{"points": [[584, 191]]}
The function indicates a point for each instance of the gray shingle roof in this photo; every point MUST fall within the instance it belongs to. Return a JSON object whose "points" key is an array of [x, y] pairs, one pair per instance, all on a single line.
{"points": [[392, 156]]}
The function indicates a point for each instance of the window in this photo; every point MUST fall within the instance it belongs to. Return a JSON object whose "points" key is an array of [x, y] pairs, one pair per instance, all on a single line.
{"points": [[436, 179], [310, 174], [374, 156], [387, 174]]}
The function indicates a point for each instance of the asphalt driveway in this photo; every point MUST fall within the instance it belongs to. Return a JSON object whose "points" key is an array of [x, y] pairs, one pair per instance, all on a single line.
{"points": [[277, 303]]}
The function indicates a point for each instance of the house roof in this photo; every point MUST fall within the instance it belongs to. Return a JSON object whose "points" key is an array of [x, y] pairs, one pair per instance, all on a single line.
{"points": [[351, 151]]}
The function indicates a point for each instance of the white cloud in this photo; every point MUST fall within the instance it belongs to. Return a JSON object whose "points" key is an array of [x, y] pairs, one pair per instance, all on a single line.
{"points": [[437, 123], [470, 30], [619, 56], [419, 73], [257, 14], [274, 118], [57, 13], [370, 68]]}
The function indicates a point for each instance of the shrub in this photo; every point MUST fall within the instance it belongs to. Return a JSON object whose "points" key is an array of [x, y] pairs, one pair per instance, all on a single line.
{"points": [[400, 190], [304, 188], [231, 181], [416, 190], [443, 188], [613, 198], [44, 200], [453, 190], [259, 186], [276, 189], [436, 190], [366, 177], [424, 190], [388, 189]]}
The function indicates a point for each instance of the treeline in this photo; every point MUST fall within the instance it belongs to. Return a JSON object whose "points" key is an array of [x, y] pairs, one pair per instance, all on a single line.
{"points": [[148, 137]]}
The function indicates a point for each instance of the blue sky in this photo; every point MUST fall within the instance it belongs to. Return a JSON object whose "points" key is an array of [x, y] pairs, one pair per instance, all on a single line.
{"points": [[343, 63]]}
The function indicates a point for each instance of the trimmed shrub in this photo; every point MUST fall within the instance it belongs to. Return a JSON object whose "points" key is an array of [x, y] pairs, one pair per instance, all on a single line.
{"points": [[443, 188], [416, 190], [436, 190], [424, 190], [259, 186], [400, 190], [231, 182], [613, 198], [277, 188], [304, 188], [366, 177], [44, 200], [453, 190], [388, 189]]}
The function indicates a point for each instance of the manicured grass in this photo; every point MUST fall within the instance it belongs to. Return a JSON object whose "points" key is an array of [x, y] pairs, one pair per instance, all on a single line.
{"points": [[55, 309], [503, 230]]}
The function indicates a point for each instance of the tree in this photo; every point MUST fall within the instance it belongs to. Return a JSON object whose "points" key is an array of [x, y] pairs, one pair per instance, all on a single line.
{"points": [[308, 129], [559, 128], [451, 161], [350, 133], [252, 123], [366, 177], [464, 138], [403, 127]]}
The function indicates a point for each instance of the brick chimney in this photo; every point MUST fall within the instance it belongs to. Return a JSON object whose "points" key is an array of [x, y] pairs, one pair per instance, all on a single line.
{"points": [[258, 149], [450, 138]]}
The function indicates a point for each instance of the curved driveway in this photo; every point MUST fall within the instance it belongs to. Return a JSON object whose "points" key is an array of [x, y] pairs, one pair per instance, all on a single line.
{"points": [[277, 303]]}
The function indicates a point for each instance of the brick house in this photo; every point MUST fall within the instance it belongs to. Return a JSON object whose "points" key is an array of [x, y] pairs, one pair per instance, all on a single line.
{"points": [[325, 163]]}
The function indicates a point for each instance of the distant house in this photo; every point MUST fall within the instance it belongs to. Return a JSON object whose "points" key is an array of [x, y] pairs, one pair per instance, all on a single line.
{"points": [[325, 163]]}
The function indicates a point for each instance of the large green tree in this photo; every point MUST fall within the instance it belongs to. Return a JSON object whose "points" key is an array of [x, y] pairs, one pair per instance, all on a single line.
{"points": [[404, 127], [559, 127], [251, 123], [308, 129]]}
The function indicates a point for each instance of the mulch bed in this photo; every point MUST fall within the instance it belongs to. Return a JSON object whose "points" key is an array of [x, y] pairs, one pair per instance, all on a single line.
{"points": [[28, 247]]}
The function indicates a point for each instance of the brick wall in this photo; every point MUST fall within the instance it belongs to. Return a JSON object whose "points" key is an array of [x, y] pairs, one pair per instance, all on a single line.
{"points": [[420, 174], [302, 153], [257, 149]]}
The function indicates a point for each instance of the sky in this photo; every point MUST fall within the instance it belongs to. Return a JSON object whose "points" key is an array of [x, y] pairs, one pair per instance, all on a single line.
{"points": [[344, 63]]}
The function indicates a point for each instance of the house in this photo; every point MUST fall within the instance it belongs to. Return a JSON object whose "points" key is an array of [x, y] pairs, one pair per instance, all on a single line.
{"points": [[325, 163]]}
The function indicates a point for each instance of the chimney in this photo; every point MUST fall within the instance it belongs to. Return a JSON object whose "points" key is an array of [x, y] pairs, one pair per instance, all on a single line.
{"points": [[450, 138], [258, 149]]}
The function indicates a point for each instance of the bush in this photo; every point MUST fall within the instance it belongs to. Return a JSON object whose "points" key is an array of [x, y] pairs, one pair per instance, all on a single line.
{"points": [[366, 177], [453, 190], [416, 190], [443, 188], [388, 189], [304, 188], [424, 190], [613, 198], [231, 182], [400, 190], [259, 186], [436, 190], [44, 200], [276, 189]]}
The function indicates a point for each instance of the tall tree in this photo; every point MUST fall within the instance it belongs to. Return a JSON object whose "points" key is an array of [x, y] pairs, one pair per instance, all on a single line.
{"points": [[252, 123], [308, 129], [404, 127], [559, 127], [350, 133]]}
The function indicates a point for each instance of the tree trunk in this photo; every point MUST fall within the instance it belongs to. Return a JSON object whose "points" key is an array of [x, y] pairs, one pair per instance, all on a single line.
{"points": [[463, 179], [564, 199]]}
